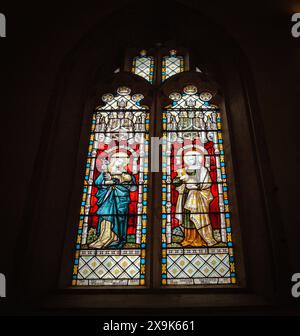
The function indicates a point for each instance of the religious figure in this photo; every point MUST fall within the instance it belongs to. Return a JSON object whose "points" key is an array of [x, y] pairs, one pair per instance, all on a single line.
{"points": [[114, 187], [192, 208]]}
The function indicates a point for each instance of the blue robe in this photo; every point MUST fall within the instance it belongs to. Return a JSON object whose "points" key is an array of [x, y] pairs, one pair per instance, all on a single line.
{"points": [[113, 201]]}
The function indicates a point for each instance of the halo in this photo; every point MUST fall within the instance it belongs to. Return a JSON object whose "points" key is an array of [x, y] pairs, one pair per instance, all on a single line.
{"points": [[193, 152], [199, 150], [191, 148], [103, 159]]}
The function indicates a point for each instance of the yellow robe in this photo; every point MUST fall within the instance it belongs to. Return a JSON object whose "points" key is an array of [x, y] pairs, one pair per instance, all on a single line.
{"points": [[197, 202]]}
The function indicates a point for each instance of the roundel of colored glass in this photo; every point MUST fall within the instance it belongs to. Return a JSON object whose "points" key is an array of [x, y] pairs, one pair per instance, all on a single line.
{"points": [[205, 96]]}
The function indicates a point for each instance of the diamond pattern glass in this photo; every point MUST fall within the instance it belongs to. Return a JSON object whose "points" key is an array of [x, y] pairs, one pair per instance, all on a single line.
{"points": [[172, 65], [143, 66]]}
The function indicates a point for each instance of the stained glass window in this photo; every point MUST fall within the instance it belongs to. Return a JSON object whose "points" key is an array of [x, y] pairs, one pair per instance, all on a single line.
{"points": [[172, 65], [196, 230], [196, 233], [111, 241], [143, 66]]}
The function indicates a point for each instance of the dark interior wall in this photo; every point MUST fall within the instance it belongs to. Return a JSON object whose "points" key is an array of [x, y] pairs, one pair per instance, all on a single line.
{"points": [[273, 56], [43, 41]]}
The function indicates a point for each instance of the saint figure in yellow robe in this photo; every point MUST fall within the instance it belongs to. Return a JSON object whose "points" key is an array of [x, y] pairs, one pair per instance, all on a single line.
{"points": [[192, 209]]}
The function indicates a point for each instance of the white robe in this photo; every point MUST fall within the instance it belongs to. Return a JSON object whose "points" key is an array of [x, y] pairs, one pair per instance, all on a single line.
{"points": [[197, 202]]}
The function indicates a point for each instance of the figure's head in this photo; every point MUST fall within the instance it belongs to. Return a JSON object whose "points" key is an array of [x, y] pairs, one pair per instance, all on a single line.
{"points": [[193, 158], [119, 160]]}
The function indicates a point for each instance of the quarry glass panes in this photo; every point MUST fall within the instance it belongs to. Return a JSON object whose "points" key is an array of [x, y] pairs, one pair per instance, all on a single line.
{"points": [[171, 65], [196, 231], [111, 241], [143, 66]]}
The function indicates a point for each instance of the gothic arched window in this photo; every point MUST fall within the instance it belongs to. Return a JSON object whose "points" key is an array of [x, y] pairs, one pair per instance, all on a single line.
{"points": [[128, 207]]}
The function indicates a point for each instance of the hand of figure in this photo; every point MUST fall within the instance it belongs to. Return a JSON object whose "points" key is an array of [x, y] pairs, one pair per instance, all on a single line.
{"points": [[107, 176], [184, 177]]}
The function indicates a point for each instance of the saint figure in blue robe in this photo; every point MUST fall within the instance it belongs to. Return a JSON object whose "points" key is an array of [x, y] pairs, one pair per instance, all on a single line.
{"points": [[114, 187]]}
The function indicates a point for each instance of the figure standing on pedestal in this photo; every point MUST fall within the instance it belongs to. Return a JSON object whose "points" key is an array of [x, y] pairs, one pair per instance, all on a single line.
{"points": [[114, 187], [193, 184]]}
